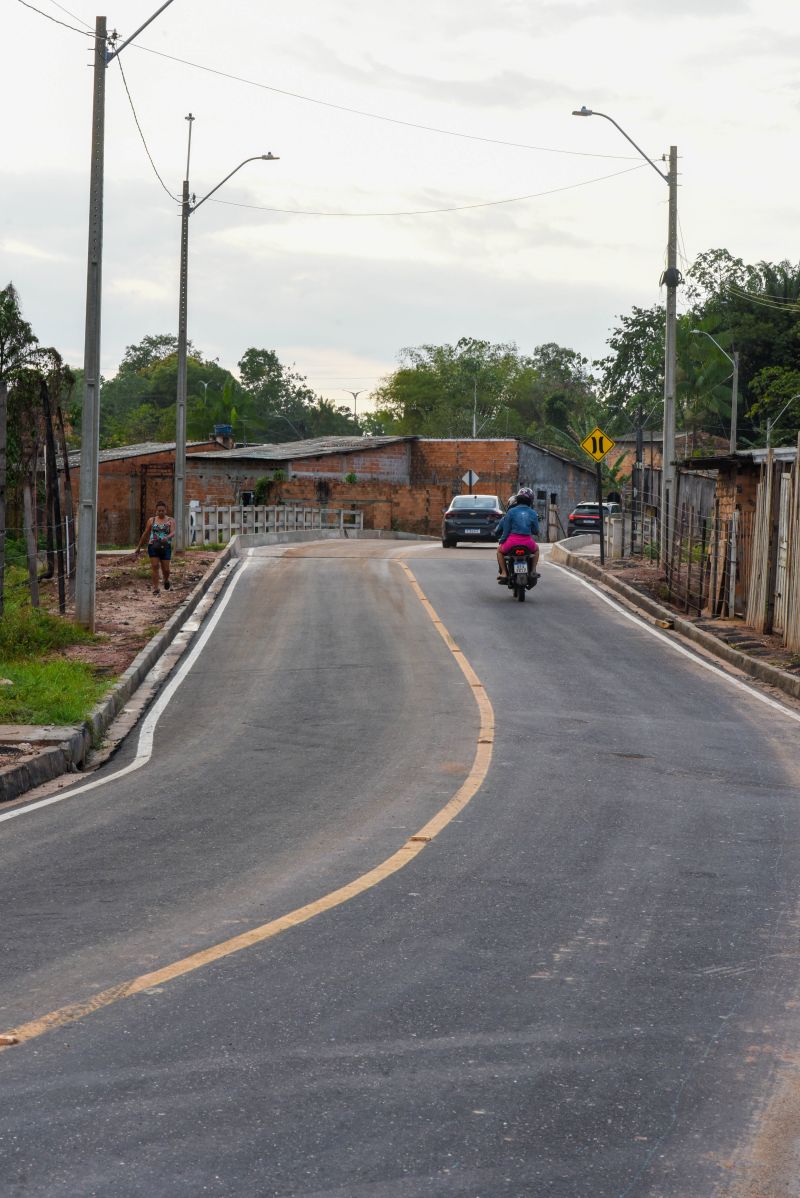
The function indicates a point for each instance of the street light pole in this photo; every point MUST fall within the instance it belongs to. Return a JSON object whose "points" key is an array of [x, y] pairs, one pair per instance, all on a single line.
{"points": [[771, 423], [671, 278], [86, 548], [355, 395], [734, 361], [187, 208]]}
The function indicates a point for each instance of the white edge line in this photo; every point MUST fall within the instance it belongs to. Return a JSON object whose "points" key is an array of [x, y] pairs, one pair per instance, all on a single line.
{"points": [[695, 657], [144, 748]]}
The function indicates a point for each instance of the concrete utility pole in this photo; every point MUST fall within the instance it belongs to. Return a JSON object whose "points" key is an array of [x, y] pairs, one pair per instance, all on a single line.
{"points": [[670, 278], [86, 555], [187, 208], [86, 550], [180, 403]]}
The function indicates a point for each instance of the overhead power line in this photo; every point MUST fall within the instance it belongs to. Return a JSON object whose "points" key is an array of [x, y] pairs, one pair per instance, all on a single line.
{"points": [[74, 15], [376, 116], [764, 300], [141, 134], [55, 20], [431, 211]]}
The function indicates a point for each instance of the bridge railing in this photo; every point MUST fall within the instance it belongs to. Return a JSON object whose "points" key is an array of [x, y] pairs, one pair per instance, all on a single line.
{"points": [[209, 523]]}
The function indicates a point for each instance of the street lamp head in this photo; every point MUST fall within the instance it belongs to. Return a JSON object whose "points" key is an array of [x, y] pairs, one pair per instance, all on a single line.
{"points": [[582, 111], [270, 157], [696, 332]]}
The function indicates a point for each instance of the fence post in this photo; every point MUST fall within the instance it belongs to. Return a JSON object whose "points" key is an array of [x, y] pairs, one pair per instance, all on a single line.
{"points": [[733, 565], [703, 566]]}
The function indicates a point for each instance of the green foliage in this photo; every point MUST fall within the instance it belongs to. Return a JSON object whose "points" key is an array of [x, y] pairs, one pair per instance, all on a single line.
{"points": [[351, 477], [775, 392], [752, 309], [633, 373], [271, 402], [19, 346], [26, 630], [440, 390], [47, 687], [53, 691]]}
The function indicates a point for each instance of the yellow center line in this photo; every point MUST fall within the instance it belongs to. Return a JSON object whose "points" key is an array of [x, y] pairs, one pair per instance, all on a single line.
{"points": [[414, 845]]}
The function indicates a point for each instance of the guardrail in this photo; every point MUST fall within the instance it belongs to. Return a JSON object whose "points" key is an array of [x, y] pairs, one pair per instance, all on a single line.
{"points": [[209, 523]]}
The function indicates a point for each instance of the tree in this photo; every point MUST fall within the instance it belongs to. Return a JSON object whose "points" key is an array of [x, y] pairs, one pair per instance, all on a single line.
{"points": [[283, 406], [151, 350], [446, 390], [138, 404], [633, 373], [776, 394], [19, 352]]}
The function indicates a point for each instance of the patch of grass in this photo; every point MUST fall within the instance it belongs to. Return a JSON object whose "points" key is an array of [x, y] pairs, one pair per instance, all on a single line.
{"points": [[25, 630], [53, 691], [200, 546], [46, 687]]}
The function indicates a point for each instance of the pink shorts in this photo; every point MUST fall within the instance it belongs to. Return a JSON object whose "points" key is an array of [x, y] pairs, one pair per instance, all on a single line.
{"points": [[516, 538]]}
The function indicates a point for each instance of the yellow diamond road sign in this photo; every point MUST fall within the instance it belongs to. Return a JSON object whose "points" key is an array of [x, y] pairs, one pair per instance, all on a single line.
{"points": [[597, 444]]}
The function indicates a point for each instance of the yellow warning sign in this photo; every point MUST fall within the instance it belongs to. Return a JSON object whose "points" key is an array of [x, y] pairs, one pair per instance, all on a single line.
{"points": [[597, 444]]}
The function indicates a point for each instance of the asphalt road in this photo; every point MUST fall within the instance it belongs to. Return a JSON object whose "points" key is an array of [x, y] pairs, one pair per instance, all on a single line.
{"points": [[585, 985]]}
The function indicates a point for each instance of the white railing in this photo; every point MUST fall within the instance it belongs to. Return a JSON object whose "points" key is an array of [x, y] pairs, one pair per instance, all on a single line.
{"points": [[210, 524]]}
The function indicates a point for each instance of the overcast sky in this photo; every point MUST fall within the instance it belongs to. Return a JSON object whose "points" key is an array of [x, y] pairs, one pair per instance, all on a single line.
{"points": [[340, 295]]}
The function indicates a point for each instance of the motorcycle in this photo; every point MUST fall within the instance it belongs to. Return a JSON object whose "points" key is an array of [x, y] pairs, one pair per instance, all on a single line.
{"points": [[520, 575]]}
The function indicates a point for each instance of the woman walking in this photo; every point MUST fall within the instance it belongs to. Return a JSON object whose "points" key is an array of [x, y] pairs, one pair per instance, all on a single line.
{"points": [[159, 532]]}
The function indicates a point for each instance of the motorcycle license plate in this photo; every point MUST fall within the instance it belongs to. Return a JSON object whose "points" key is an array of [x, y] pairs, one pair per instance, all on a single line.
{"points": [[472, 532], [520, 567]]}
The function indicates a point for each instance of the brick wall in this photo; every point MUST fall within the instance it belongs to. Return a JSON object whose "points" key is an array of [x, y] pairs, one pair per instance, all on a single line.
{"points": [[128, 490], [385, 505], [444, 463], [389, 462]]}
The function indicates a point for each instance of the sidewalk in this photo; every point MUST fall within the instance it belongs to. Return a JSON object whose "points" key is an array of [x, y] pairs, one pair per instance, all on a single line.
{"points": [[733, 641]]}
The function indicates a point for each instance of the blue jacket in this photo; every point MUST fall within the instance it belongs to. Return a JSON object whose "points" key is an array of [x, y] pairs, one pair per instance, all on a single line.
{"points": [[520, 519]]}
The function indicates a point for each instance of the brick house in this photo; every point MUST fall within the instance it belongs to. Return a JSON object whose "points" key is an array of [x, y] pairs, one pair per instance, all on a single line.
{"points": [[401, 482], [131, 479]]}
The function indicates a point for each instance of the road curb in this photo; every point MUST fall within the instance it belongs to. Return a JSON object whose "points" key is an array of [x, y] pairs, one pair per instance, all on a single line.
{"points": [[772, 675]]}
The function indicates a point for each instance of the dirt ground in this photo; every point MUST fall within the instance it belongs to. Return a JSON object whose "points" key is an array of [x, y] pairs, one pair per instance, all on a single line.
{"points": [[128, 614], [648, 578]]}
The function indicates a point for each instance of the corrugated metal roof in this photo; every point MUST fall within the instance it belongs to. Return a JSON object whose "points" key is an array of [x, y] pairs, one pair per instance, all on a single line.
{"points": [[131, 451], [314, 447], [783, 453]]}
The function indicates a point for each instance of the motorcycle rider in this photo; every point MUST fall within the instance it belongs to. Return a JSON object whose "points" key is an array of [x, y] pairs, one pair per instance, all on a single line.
{"points": [[518, 527]]}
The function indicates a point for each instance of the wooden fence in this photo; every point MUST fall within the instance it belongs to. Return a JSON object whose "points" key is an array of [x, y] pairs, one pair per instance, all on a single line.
{"points": [[773, 601]]}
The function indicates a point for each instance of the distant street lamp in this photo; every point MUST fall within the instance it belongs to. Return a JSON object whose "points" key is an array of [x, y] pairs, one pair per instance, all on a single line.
{"points": [[187, 208], [671, 278], [355, 395], [771, 423], [734, 361]]}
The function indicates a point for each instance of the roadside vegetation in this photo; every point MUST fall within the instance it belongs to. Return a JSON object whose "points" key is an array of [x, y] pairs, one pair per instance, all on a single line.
{"points": [[39, 684]]}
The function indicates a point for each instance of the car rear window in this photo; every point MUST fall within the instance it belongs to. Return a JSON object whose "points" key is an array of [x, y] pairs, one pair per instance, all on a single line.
{"points": [[587, 509], [475, 501]]}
